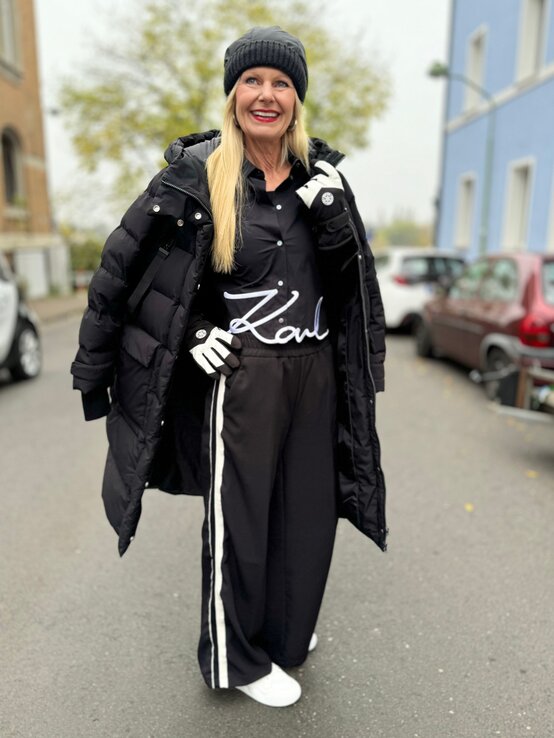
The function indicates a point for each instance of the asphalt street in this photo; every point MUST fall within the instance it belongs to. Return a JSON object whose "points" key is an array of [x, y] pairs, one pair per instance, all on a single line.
{"points": [[450, 634]]}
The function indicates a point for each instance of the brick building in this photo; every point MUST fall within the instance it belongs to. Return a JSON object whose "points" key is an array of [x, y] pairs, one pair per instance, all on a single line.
{"points": [[36, 251]]}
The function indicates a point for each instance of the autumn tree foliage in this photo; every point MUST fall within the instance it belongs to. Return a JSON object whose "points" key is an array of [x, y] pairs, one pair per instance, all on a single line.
{"points": [[158, 74]]}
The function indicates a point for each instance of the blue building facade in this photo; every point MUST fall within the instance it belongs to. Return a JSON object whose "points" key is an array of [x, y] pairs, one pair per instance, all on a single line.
{"points": [[497, 180]]}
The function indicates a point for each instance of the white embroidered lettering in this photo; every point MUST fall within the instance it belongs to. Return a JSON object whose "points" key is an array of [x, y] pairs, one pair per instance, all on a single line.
{"points": [[284, 334]]}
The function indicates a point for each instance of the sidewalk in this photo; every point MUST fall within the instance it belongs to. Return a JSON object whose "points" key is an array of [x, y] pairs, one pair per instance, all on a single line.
{"points": [[50, 309]]}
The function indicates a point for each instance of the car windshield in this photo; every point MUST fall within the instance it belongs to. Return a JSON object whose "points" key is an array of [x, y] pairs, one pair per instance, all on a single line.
{"points": [[448, 266], [548, 281], [430, 268], [416, 266], [467, 284]]}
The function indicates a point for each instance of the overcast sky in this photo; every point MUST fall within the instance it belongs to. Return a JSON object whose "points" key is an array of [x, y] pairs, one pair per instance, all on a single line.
{"points": [[398, 172]]}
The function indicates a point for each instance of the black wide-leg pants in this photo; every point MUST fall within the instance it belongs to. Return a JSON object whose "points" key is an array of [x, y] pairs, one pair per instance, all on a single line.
{"points": [[271, 511]]}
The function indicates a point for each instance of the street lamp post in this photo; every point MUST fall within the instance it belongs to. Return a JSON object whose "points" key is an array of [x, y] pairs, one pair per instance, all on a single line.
{"points": [[441, 70]]}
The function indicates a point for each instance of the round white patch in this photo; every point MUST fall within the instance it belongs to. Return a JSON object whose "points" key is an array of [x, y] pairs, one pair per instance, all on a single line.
{"points": [[327, 198], [201, 333]]}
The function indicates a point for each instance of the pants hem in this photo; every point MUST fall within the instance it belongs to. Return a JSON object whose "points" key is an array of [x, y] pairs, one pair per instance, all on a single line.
{"points": [[241, 682], [290, 663]]}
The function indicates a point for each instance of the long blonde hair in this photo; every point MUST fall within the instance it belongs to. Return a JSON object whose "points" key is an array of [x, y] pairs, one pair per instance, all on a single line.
{"points": [[226, 182]]}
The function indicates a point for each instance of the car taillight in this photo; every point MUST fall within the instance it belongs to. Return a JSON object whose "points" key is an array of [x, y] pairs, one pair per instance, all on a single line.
{"points": [[399, 279], [534, 331]]}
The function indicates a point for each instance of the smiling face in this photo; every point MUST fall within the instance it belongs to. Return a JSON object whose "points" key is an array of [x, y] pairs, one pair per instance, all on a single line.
{"points": [[264, 107]]}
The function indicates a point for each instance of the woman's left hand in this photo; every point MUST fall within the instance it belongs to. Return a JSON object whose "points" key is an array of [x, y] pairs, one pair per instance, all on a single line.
{"points": [[324, 194]]}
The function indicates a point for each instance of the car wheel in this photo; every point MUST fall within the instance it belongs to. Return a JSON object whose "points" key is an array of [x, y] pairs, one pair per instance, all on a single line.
{"points": [[496, 361], [28, 353], [423, 341]]}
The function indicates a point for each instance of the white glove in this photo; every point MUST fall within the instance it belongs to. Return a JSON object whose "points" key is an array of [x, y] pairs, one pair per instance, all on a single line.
{"points": [[324, 193], [211, 352]]}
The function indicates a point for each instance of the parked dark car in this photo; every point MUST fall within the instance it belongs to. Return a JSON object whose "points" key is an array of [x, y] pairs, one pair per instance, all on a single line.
{"points": [[20, 347], [498, 312]]}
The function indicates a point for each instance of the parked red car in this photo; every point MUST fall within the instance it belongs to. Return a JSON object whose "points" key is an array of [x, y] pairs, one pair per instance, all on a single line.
{"points": [[499, 311]]}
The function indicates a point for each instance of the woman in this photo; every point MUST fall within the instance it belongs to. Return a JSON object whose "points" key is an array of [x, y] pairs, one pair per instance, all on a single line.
{"points": [[237, 321]]}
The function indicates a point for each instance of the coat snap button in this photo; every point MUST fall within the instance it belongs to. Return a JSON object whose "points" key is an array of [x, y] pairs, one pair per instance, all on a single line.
{"points": [[180, 222], [162, 423], [198, 216], [147, 484], [156, 208]]}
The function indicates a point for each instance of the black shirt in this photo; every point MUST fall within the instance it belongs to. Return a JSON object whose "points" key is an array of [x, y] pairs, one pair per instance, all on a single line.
{"points": [[274, 292]]}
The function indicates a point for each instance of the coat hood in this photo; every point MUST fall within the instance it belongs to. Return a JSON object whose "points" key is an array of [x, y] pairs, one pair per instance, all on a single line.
{"points": [[201, 145]]}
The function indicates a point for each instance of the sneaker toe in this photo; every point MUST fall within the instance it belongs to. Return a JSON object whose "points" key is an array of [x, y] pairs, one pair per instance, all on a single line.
{"points": [[276, 689]]}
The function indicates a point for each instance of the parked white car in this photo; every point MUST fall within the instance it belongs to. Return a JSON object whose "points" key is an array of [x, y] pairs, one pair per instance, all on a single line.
{"points": [[20, 347], [407, 278]]}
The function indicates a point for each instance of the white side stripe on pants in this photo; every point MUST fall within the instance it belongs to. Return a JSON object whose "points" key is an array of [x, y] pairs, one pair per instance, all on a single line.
{"points": [[217, 455], [210, 497]]}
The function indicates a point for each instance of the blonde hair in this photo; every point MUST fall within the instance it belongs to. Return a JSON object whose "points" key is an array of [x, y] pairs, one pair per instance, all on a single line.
{"points": [[226, 181]]}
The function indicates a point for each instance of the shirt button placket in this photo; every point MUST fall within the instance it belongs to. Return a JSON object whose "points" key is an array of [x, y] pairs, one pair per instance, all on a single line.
{"points": [[280, 283]]}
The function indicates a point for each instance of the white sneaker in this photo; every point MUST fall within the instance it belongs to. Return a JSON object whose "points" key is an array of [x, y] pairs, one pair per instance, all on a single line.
{"points": [[276, 689], [313, 642]]}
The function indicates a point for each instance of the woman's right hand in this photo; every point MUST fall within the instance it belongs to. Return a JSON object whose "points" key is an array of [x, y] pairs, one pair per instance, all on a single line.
{"points": [[209, 344]]}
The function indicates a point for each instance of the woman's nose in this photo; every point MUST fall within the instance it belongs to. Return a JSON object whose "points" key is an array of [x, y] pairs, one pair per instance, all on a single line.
{"points": [[266, 91]]}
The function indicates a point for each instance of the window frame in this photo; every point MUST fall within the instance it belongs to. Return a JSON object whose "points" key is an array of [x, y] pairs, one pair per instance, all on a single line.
{"points": [[18, 202], [550, 224], [508, 242], [472, 97], [10, 36], [462, 210], [531, 52]]}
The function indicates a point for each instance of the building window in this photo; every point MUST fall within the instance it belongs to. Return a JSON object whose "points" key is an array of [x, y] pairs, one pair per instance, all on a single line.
{"points": [[517, 206], [550, 236], [12, 168], [465, 212], [532, 38], [9, 47], [475, 68]]}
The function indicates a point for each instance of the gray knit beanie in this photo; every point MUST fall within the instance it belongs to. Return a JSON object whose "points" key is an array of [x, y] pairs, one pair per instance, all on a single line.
{"points": [[267, 47]]}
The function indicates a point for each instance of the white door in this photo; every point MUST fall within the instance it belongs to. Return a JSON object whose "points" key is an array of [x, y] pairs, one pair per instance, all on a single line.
{"points": [[9, 299]]}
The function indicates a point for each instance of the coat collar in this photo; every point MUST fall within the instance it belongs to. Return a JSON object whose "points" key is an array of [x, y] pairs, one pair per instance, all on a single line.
{"points": [[201, 145], [187, 155]]}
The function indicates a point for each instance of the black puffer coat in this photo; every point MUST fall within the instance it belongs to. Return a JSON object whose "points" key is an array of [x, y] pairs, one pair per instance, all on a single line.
{"points": [[155, 419]]}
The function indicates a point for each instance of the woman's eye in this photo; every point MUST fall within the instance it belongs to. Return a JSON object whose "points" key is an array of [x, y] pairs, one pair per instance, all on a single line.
{"points": [[282, 83], [250, 80]]}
